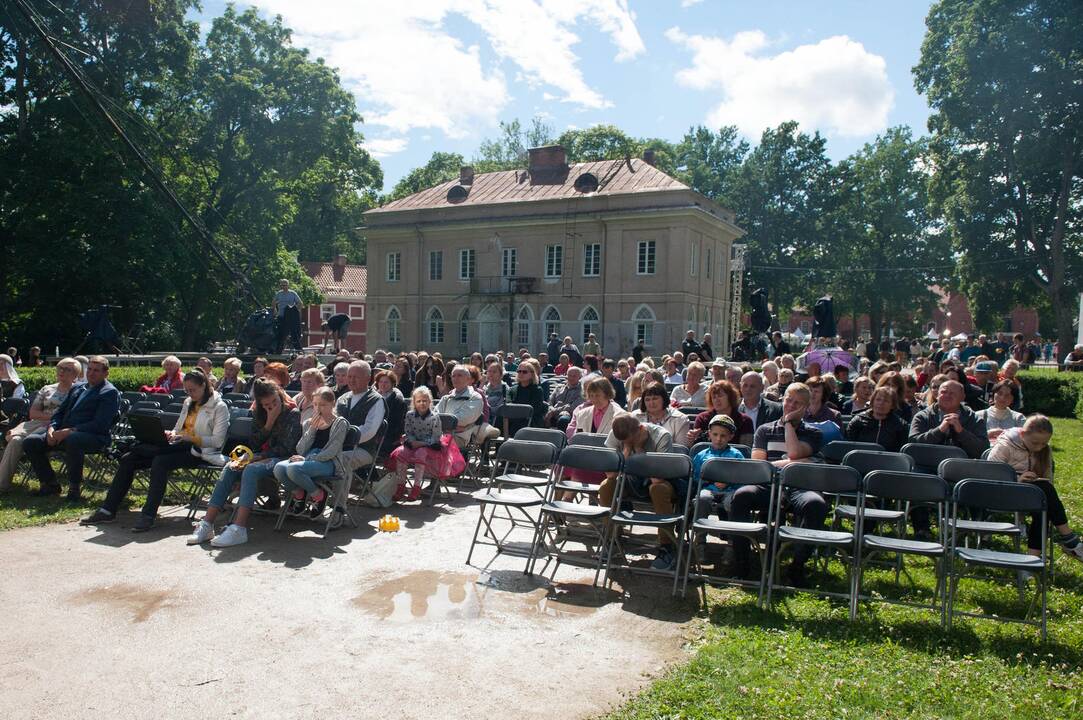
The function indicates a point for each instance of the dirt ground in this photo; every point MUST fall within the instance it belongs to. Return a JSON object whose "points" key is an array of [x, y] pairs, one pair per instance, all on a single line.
{"points": [[106, 623]]}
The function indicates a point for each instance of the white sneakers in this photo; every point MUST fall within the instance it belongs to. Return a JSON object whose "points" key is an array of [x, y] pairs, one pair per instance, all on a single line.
{"points": [[232, 535], [203, 532]]}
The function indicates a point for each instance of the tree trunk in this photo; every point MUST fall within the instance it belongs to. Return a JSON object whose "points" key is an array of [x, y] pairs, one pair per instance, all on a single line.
{"points": [[20, 89], [1064, 311]]}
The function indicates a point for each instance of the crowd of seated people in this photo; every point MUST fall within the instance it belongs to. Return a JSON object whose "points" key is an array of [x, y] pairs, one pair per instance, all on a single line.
{"points": [[301, 413]]}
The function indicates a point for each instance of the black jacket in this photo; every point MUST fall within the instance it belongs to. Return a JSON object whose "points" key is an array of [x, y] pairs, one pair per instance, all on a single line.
{"points": [[892, 433], [974, 439]]}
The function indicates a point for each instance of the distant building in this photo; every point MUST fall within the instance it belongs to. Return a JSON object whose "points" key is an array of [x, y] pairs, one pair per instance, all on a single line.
{"points": [[498, 261], [344, 289]]}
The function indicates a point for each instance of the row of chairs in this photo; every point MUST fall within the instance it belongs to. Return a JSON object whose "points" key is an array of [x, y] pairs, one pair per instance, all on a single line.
{"points": [[872, 493]]}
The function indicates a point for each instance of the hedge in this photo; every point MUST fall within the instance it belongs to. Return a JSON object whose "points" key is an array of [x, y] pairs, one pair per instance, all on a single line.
{"points": [[1049, 392], [125, 378]]}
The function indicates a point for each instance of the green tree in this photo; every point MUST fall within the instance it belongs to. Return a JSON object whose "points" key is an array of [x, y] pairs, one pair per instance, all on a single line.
{"points": [[599, 142], [1003, 80], [440, 168], [508, 151], [707, 161]]}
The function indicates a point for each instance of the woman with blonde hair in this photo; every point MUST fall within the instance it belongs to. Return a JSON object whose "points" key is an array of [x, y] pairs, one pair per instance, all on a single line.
{"points": [[231, 381], [1028, 451]]}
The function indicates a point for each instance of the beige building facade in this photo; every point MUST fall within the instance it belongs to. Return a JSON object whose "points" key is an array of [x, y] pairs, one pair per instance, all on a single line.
{"points": [[500, 260]]}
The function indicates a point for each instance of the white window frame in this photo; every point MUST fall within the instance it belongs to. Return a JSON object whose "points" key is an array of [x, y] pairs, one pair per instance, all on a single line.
{"points": [[394, 327], [357, 312], [592, 260], [549, 324], [524, 320], [436, 265], [434, 326], [326, 311], [394, 266], [589, 326], [509, 262], [554, 261], [647, 257], [643, 320], [468, 266]]}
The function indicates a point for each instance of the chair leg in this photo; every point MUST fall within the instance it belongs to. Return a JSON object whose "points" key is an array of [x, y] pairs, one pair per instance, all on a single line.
{"points": [[477, 528]]}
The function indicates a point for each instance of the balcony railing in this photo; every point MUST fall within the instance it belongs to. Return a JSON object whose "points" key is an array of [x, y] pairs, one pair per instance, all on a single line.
{"points": [[499, 285]]}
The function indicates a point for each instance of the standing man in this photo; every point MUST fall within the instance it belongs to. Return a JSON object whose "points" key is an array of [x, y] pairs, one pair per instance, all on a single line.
{"points": [[690, 345], [287, 311], [591, 347], [79, 426], [706, 354], [572, 352], [553, 348]]}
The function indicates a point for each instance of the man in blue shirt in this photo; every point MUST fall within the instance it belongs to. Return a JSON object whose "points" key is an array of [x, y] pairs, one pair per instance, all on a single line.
{"points": [[79, 426]]}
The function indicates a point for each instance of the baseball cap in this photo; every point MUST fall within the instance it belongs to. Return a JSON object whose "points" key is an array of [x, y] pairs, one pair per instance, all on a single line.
{"points": [[725, 421], [986, 366]]}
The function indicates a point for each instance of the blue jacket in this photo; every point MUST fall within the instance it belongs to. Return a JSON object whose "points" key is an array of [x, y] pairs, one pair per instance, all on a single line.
{"points": [[95, 413], [704, 455]]}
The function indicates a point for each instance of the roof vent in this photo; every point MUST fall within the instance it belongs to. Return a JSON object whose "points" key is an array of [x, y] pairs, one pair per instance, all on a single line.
{"points": [[466, 175], [457, 194], [586, 183]]}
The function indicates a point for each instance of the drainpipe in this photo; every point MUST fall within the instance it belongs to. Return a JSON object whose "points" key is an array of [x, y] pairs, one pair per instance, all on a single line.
{"points": [[605, 272], [420, 320]]}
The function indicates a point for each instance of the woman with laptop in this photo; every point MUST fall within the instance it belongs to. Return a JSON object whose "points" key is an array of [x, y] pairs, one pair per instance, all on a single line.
{"points": [[197, 438]]}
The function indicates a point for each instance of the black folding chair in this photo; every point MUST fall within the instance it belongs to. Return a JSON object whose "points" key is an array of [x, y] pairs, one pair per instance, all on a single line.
{"points": [[1013, 497], [955, 470], [563, 513], [823, 479], [733, 472], [927, 458], [834, 451]]}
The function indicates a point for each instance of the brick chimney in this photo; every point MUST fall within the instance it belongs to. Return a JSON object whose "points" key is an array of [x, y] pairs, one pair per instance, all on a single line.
{"points": [[466, 175], [548, 165], [648, 157], [340, 261]]}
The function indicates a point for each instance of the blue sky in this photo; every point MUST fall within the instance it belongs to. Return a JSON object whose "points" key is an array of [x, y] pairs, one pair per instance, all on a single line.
{"points": [[440, 74]]}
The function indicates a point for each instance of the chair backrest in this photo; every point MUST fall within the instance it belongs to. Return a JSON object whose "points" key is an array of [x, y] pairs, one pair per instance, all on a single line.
{"points": [[161, 399], [667, 466], [527, 452], [352, 436], [985, 453], [145, 411], [593, 459], [174, 407], [737, 472], [698, 448], [838, 479], [955, 469], [240, 432], [146, 405], [448, 422], [16, 408], [683, 449], [236, 412], [179, 393], [516, 411], [588, 439], [133, 396], [910, 486], [550, 435], [169, 420], [999, 496], [743, 449], [865, 461], [238, 397], [927, 458], [691, 411], [836, 450]]}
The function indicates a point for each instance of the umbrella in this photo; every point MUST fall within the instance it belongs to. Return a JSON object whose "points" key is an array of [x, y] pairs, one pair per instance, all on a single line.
{"points": [[960, 336], [828, 359]]}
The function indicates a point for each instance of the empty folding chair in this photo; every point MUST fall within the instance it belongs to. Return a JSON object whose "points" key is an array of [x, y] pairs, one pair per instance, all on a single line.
{"points": [[683, 449], [147, 405], [175, 407], [674, 468], [563, 514], [822, 479], [994, 496], [133, 397], [588, 439], [733, 472], [550, 435], [866, 461], [834, 451], [954, 470], [509, 489], [179, 394], [908, 487], [927, 458], [238, 397]]}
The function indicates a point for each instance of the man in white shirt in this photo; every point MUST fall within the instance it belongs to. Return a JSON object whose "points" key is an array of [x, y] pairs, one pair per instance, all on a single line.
{"points": [[465, 403], [758, 408]]}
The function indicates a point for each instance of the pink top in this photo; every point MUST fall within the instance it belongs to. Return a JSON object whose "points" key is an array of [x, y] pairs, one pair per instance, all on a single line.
{"points": [[597, 419]]}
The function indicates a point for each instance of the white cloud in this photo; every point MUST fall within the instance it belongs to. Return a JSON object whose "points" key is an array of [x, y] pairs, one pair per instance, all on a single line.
{"points": [[381, 147], [408, 70], [690, 3], [835, 85]]}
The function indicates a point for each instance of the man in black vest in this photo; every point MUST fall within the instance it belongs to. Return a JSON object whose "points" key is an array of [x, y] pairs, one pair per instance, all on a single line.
{"points": [[365, 408]]}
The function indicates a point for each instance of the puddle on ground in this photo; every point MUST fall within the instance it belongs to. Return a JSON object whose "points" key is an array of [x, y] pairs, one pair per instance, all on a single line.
{"points": [[140, 602], [428, 595]]}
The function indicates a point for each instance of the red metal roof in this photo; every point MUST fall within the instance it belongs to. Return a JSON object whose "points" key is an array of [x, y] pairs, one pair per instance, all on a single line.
{"points": [[338, 280], [615, 177]]}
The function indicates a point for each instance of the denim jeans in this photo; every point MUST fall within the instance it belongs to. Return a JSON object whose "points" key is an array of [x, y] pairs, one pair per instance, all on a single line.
{"points": [[302, 473], [250, 479]]}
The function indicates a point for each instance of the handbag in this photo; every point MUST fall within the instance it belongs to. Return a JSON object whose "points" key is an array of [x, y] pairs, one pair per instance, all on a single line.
{"points": [[382, 491]]}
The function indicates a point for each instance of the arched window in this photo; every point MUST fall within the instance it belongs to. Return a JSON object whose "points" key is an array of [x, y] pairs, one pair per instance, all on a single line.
{"points": [[464, 326], [551, 318], [589, 320], [394, 330], [643, 322], [523, 322], [435, 322]]}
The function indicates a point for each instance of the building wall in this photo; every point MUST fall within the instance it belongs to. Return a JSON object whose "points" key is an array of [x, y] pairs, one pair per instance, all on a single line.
{"points": [[493, 320], [356, 308]]}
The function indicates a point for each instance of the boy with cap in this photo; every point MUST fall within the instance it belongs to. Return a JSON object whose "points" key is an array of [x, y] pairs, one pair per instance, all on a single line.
{"points": [[721, 431]]}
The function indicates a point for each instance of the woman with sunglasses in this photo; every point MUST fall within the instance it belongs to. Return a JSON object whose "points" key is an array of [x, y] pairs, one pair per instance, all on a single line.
{"points": [[527, 391]]}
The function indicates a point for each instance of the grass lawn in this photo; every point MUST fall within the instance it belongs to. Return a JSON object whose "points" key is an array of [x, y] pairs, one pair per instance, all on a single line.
{"points": [[805, 659]]}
